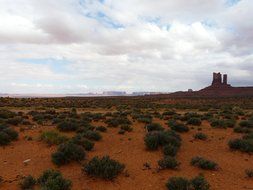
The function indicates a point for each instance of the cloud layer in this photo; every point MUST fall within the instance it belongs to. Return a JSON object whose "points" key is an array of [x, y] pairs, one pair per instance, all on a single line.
{"points": [[77, 46]]}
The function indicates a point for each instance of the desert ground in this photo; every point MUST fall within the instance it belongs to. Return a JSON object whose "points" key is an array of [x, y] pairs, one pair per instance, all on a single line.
{"points": [[123, 126]]}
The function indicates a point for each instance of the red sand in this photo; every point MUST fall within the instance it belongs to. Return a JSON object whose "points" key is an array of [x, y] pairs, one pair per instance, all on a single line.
{"points": [[130, 150]]}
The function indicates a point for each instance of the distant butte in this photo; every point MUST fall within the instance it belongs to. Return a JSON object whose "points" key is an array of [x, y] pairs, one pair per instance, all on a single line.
{"points": [[218, 88]]}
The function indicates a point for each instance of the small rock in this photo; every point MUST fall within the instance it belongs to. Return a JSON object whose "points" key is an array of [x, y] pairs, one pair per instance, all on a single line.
{"points": [[26, 161], [118, 152]]}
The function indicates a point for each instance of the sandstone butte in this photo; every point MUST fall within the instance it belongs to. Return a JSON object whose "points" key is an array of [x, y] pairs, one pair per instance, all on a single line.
{"points": [[218, 88]]}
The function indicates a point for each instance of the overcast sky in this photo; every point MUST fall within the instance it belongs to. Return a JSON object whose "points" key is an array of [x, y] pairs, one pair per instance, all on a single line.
{"points": [[78, 46]]}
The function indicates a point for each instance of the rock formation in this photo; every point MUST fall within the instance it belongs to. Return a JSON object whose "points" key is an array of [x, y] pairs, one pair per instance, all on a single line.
{"points": [[218, 88]]}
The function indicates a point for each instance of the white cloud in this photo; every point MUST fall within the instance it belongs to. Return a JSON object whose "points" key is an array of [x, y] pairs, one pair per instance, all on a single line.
{"points": [[123, 45]]}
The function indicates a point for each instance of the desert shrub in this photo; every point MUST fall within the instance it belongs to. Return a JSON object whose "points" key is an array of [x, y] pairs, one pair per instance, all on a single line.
{"points": [[6, 114], [68, 152], [82, 141], [15, 120], [27, 183], [101, 129], [160, 138], [152, 141], [190, 115], [242, 130], [26, 122], [200, 136], [4, 139], [168, 162], [127, 128], [238, 111], [121, 132], [203, 163], [154, 127], [194, 121], [7, 135], [246, 123], [104, 167], [248, 136], [144, 119], [53, 180], [230, 123], [218, 123], [92, 135], [169, 113], [67, 125], [207, 116], [179, 127], [13, 135], [52, 137], [178, 183], [199, 183], [117, 121], [83, 128], [244, 145], [249, 173], [170, 150]]}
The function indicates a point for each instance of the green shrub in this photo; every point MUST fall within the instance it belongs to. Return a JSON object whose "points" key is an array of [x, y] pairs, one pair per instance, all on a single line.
{"points": [[218, 123], [145, 119], [101, 129], [230, 123], [170, 150], [200, 136], [242, 130], [68, 152], [121, 132], [53, 138], [244, 145], [92, 135], [104, 167], [168, 162], [199, 183], [127, 128], [117, 121], [248, 136], [249, 173], [7, 135], [4, 139], [13, 135], [194, 121], [85, 143], [155, 139], [15, 120], [180, 127], [154, 127], [27, 183], [178, 183], [246, 124], [53, 180], [67, 125], [6, 114], [203, 163], [169, 113]]}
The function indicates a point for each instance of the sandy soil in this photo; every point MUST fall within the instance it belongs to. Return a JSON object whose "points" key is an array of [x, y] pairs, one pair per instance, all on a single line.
{"points": [[130, 150]]}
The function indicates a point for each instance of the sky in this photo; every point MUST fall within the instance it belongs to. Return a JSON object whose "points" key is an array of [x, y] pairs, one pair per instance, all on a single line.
{"points": [[80, 46]]}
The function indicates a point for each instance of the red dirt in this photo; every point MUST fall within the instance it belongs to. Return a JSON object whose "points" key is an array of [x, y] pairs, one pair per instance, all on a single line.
{"points": [[130, 150]]}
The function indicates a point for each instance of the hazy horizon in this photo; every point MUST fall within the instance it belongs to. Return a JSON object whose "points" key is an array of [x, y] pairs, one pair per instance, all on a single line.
{"points": [[81, 46]]}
